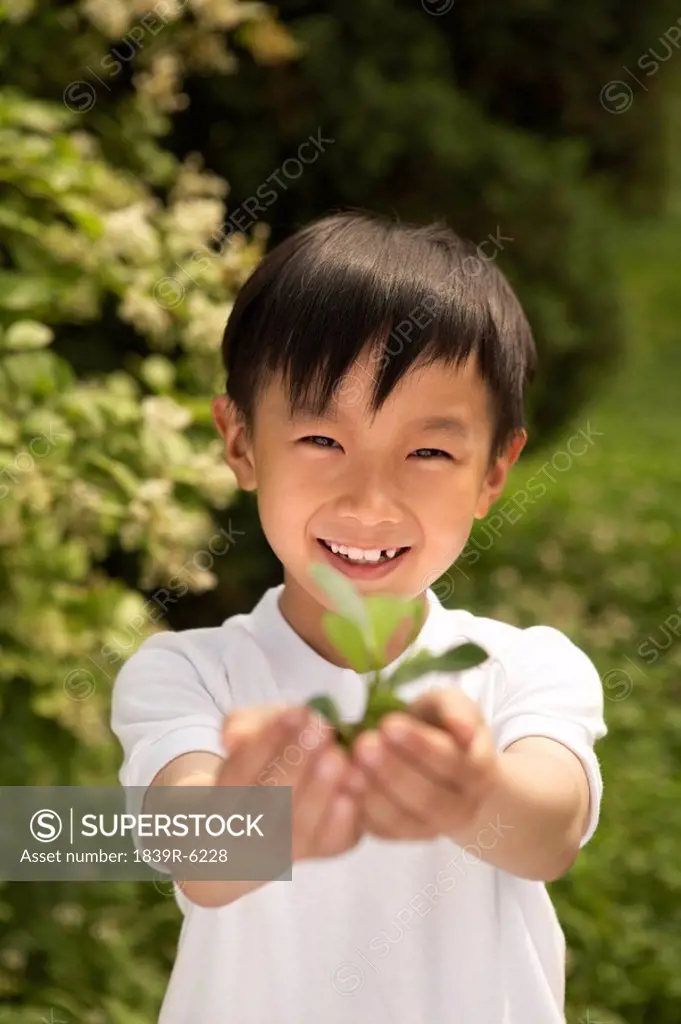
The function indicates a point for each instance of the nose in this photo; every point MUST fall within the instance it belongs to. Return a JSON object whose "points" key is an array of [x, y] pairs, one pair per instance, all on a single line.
{"points": [[369, 495]]}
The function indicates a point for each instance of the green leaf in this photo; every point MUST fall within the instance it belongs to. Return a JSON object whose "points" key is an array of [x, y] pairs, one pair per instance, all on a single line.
{"points": [[33, 372], [380, 703], [456, 659], [158, 372], [123, 476], [19, 291], [26, 334], [345, 732], [347, 601], [347, 638], [326, 707], [386, 612]]}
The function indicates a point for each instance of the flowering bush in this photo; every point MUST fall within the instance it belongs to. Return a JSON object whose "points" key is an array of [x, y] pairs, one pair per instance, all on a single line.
{"points": [[101, 450]]}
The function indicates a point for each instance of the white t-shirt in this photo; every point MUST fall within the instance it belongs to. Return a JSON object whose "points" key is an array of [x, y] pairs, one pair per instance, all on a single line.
{"points": [[390, 932]]}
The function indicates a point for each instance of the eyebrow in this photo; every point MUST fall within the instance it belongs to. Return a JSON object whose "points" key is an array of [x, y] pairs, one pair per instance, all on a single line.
{"points": [[449, 424], [306, 411]]}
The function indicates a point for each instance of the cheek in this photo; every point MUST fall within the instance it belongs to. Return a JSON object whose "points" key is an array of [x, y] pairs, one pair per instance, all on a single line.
{"points": [[284, 506], [448, 514], [279, 526], [453, 500], [447, 540]]}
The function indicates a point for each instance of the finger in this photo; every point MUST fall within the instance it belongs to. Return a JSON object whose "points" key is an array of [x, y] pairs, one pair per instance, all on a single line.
{"points": [[384, 817], [433, 751], [339, 827], [245, 723], [404, 781], [286, 735], [481, 763], [242, 723], [451, 710], [311, 799], [469, 773], [355, 781], [297, 759], [256, 751]]}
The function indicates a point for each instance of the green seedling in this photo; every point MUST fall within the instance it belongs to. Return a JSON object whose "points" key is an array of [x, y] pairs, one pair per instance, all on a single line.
{"points": [[360, 628]]}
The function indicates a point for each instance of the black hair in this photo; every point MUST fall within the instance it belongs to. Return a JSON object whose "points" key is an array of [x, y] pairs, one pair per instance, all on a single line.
{"points": [[414, 292]]}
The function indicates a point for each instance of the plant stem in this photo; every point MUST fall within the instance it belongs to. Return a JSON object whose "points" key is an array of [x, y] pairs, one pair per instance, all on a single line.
{"points": [[374, 685]]}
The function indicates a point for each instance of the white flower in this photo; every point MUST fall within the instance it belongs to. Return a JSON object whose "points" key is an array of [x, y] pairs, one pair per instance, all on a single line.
{"points": [[196, 577], [84, 497], [191, 222], [81, 509], [69, 915], [129, 608], [153, 517], [209, 53], [214, 477], [162, 413], [13, 959], [33, 490], [172, 9], [186, 531], [192, 181], [154, 492], [128, 232], [225, 14], [205, 324], [68, 246], [54, 633], [144, 313], [13, 526], [161, 83], [20, 10], [85, 145], [111, 17]]}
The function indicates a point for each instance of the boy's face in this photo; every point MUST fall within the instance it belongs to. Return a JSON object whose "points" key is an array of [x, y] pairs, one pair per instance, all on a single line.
{"points": [[390, 482]]}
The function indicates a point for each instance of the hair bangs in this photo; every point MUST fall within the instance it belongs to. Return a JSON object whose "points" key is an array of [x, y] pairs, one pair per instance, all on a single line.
{"points": [[410, 294]]}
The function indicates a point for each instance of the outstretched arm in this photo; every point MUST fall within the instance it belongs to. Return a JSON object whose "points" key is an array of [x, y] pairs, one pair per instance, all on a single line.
{"points": [[524, 809]]}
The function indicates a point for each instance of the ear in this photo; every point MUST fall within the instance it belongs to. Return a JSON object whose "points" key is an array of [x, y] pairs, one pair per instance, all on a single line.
{"points": [[238, 450], [495, 478]]}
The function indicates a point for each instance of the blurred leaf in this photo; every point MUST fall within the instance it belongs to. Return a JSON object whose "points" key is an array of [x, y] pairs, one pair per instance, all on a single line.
{"points": [[20, 292], [326, 707], [346, 599], [386, 613], [348, 640], [26, 334], [382, 702], [456, 659]]}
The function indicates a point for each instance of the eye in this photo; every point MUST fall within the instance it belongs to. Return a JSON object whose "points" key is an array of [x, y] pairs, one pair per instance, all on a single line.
{"points": [[314, 438], [437, 451]]}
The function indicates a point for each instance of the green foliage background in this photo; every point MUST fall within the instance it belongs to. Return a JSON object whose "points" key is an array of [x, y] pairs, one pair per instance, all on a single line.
{"points": [[110, 475]]}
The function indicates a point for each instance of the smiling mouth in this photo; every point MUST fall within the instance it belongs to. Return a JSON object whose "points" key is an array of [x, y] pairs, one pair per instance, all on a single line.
{"points": [[385, 556]]}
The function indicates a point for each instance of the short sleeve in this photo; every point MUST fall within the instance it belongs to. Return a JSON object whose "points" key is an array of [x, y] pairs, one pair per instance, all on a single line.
{"points": [[551, 688], [161, 708]]}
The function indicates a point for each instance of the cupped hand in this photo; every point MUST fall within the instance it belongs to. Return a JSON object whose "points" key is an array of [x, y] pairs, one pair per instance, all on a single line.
{"points": [[294, 746]]}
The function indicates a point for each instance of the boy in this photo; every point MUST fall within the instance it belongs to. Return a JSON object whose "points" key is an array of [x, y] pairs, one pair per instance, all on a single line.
{"points": [[375, 377]]}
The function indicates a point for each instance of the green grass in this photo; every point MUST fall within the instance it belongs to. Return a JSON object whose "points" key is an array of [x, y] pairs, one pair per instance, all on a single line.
{"points": [[599, 556]]}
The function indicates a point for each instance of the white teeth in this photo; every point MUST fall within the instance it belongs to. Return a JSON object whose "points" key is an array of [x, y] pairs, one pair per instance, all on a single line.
{"points": [[358, 555]]}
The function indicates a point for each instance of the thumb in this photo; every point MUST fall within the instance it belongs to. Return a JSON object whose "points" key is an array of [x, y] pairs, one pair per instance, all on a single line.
{"points": [[243, 722], [450, 710]]}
